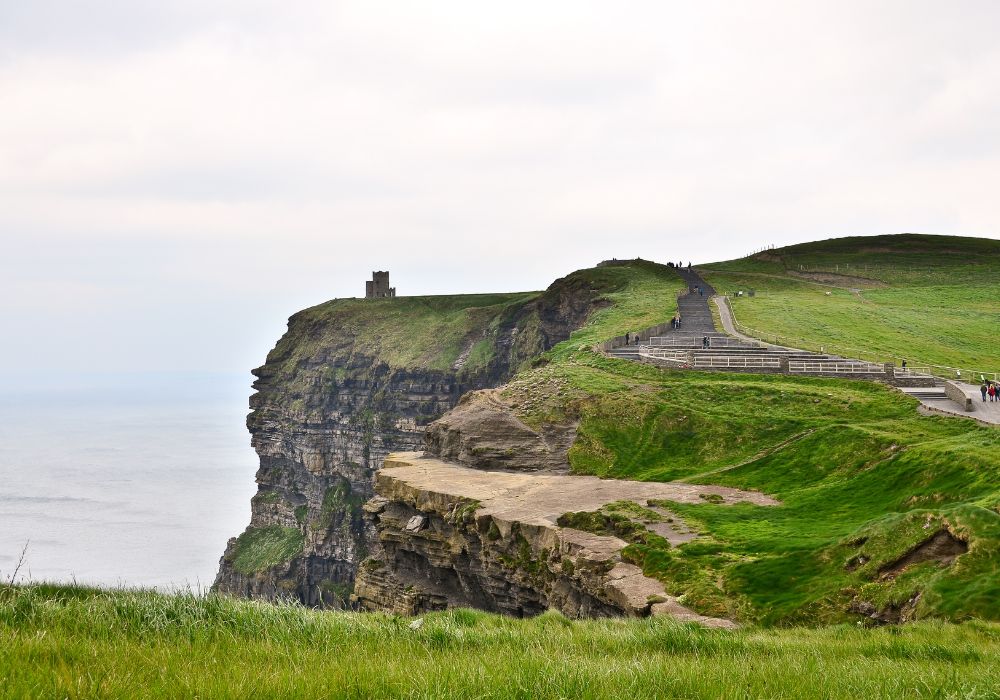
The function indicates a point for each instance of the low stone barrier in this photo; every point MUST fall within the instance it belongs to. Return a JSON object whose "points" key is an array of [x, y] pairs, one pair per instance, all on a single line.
{"points": [[954, 392]]}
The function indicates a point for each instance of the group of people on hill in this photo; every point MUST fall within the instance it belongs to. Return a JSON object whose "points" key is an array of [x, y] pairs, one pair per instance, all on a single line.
{"points": [[991, 390]]}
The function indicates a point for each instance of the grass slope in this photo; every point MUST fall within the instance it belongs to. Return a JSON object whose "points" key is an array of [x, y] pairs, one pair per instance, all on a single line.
{"points": [[66, 642], [861, 476], [928, 299]]}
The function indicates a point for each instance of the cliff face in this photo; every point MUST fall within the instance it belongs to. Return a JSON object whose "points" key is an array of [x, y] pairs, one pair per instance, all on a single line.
{"points": [[350, 382], [453, 536]]}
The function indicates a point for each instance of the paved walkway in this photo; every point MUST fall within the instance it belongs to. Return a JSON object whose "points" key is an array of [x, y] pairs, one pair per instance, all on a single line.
{"points": [[696, 316], [985, 412]]}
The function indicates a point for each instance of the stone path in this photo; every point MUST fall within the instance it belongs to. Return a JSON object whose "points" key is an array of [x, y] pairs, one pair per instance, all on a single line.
{"points": [[983, 411]]}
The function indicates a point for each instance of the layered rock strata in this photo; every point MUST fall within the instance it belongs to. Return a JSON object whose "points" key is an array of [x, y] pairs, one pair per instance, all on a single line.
{"points": [[327, 411], [453, 536], [484, 432]]}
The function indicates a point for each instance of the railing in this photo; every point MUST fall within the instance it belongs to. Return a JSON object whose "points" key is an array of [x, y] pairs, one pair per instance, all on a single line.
{"points": [[834, 367], [919, 369], [736, 362], [695, 341], [679, 357]]}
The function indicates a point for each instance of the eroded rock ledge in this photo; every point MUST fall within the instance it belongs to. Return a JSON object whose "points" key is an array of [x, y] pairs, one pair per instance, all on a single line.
{"points": [[450, 536]]}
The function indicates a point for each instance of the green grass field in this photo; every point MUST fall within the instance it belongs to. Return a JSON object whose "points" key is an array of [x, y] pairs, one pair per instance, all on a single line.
{"points": [[67, 642], [931, 300]]}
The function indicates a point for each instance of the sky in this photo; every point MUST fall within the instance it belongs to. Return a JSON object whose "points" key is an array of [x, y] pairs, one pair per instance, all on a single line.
{"points": [[178, 177]]}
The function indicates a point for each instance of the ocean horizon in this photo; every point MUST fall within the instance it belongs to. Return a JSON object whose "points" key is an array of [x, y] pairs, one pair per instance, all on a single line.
{"points": [[134, 480]]}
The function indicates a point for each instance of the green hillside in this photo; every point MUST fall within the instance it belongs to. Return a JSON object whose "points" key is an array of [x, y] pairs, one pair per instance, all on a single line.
{"points": [[928, 299], [861, 476]]}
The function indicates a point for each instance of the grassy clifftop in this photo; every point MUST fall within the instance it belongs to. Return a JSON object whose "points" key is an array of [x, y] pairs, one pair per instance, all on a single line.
{"points": [[438, 332], [927, 299]]}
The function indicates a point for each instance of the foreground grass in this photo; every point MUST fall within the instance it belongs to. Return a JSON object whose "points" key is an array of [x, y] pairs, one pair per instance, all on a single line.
{"points": [[927, 299], [63, 642]]}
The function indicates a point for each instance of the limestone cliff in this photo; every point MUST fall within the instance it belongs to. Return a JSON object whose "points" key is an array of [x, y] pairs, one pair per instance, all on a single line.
{"points": [[351, 381], [453, 536]]}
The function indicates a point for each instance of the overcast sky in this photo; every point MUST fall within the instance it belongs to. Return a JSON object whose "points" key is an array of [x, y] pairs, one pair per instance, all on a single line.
{"points": [[178, 176]]}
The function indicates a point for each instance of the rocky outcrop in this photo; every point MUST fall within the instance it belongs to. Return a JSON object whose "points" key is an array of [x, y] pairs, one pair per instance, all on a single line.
{"points": [[329, 408], [484, 432], [452, 536]]}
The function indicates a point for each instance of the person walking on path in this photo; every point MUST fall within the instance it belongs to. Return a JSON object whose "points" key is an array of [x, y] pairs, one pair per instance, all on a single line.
{"points": [[985, 390], [626, 337], [993, 392]]}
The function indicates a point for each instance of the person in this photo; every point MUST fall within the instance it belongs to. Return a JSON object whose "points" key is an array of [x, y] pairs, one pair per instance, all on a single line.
{"points": [[985, 390], [626, 337], [904, 364], [993, 392], [704, 342]]}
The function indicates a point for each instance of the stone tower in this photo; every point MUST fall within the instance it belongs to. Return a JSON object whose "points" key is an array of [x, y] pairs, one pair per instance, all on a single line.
{"points": [[378, 287]]}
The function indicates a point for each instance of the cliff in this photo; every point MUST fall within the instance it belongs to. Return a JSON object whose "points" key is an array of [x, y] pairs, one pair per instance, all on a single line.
{"points": [[351, 381], [454, 536]]}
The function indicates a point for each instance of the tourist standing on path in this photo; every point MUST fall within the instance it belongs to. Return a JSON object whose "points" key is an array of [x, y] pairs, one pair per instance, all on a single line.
{"points": [[626, 337], [985, 390], [993, 392]]}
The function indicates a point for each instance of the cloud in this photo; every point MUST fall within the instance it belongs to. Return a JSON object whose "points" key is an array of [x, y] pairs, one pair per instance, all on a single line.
{"points": [[227, 159]]}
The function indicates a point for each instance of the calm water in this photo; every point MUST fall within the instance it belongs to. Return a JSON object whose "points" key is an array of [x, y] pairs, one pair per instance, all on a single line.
{"points": [[136, 481]]}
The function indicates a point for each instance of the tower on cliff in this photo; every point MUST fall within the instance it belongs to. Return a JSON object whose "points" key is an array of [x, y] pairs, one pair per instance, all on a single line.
{"points": [[378, 287]]}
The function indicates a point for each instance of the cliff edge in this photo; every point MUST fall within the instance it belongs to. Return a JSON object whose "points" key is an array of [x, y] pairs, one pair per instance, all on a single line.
{"points": [[353, 380]]}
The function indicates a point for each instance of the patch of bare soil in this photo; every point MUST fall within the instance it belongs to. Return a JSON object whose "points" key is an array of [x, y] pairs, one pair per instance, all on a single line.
{"points": [[941, 547], [838, 280], [890, 614]]}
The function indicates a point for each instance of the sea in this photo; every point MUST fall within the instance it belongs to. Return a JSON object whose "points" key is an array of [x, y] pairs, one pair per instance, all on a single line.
{"points": [[123, 480]]}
